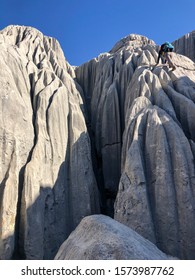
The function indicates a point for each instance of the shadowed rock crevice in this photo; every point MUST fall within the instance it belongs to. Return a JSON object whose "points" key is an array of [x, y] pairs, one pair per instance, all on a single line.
{"points": [[53, 212], [17, 254]]}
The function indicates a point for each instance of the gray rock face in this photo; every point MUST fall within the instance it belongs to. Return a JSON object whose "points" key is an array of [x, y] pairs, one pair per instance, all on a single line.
{"points": [[186, 45], [115, 120], [104, 81], [150, 185], [47, 180], [153, 108], [16, 140], [113, 241]]}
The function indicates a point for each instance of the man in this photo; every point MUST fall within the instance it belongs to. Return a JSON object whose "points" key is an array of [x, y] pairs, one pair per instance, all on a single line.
{"points": [[165, 54]]}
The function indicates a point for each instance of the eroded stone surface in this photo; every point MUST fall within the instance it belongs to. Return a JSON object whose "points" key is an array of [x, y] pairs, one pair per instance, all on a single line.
{"points": [[43, 131], [185, 45], [113, 241], [154, 111]]}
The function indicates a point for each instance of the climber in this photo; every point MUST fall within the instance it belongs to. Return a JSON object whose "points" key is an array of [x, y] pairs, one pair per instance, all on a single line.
{"points": [[165, 54]]}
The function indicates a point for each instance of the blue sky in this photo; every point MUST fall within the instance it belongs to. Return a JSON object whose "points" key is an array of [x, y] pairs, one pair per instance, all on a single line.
{"points": [[86, 28]]}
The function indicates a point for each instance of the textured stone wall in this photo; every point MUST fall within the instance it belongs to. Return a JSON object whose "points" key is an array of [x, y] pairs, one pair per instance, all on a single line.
{"points": [[47, 180], [186, 45], [143, 116]]}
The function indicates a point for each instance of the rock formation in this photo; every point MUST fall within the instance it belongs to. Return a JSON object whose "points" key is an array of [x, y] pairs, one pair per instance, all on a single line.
{"points": [[115, 135], [47, 181], [153, 108], [114, 241], [186, 45]]}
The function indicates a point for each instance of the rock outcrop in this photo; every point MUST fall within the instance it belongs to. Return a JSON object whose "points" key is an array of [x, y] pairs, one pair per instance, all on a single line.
{"points": [[104, 81], [47, 181], [153, 108], [113, 241], [186, 45], [115, 135]]}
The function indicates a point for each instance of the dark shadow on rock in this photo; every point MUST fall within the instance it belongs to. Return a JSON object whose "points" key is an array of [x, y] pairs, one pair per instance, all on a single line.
{"points": [[59, 208], [96, 159], [185, 86], [183, 101], [6, 247]]}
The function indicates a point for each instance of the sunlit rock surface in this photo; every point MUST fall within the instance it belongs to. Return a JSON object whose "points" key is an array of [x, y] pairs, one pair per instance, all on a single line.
{"points": [[186, 45], [47, 181]]}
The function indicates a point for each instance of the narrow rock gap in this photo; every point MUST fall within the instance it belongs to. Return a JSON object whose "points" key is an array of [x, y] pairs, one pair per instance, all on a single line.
{"points": [[147, 174], [3, 182], [47, 110], [97, 169], [18, 254], [105, 196], [111, 144]]}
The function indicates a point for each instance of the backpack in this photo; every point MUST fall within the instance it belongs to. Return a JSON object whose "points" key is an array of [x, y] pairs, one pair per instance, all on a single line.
{"points": [[167, 47]]}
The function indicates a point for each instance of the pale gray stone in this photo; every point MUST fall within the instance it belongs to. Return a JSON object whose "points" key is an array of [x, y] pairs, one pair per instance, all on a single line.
{"points": [[186, 45], [99, 237], [158, 180], [47, 180], [155, 115]]}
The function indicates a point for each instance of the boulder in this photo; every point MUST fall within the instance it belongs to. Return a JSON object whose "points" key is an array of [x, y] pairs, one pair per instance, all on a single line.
{"points": [[99, 237]]}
